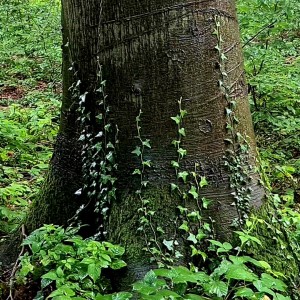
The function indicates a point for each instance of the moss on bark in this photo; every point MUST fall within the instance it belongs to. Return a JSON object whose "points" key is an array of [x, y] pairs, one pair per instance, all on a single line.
{"points": [[124, 224]]}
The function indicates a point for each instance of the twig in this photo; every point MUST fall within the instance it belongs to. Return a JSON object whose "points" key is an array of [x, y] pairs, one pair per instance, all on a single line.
{"points": [[259, 32], [15, 267]]}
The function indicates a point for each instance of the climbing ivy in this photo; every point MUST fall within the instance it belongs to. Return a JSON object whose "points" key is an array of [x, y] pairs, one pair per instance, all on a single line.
{"points": [[237, 153], [98, 139]]}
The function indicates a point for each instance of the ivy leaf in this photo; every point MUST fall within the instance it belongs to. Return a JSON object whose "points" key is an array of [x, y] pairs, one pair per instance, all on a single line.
{"points": [[193, 192], [174, 187], [183, 175], [169, 244], [137, 151], [203, 182], [192, 238], [136, 172], [176, 119], [174, 164], [146, 143], [181, 131], [182, 152], [205, 202], [184, 226], [147, 163], [183, 112]]}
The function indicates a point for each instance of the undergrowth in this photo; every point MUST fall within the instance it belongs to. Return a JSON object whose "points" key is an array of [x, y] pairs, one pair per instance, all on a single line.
{"points": [[29, 101], [271, 41]]}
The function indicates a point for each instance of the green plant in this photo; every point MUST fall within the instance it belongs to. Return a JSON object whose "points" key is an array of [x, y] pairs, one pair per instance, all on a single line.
{"points": [[229, 275], [26, 138], [271, 50], [29, 102], [69, 266]]}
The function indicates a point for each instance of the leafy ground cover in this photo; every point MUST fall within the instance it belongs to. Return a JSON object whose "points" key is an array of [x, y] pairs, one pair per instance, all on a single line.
{"points": [[29, 101], [271, 40]]}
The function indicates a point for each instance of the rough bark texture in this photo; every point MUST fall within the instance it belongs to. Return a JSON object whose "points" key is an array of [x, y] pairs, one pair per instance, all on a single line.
{"points": [[154, 53]]}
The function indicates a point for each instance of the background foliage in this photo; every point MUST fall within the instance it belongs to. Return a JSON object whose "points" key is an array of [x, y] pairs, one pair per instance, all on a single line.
{"points": [[30, 66]]}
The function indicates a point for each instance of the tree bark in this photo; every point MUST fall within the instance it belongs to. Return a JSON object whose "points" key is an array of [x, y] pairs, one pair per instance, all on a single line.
{"points": [[154, 53]]}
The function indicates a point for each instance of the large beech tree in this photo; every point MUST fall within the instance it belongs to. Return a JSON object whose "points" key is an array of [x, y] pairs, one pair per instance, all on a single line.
{"points": [[153, 53]]}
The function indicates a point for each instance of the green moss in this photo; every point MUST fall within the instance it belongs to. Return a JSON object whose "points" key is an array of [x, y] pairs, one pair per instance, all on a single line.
{"points": [[125, 219], [125, 227]]}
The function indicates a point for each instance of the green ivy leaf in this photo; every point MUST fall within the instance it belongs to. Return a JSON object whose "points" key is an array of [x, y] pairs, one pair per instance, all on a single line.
{"points": [[205, 202], [181, 131], [203, 182], [146, 143], [137, 172], [137, 151], [184, 226], [193, 192], [169, 244], [183, 175], [192, 238], [182, 152], [174, 187], [174, 164], [176, 119]]}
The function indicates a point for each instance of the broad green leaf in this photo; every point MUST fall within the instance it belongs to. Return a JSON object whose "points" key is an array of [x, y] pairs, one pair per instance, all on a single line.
{"points": [[94, 272], [194, 297], [119, 264], [244, 292], [216, 287], [240, 272], [122, 296], [273, 283], [50, 275]]}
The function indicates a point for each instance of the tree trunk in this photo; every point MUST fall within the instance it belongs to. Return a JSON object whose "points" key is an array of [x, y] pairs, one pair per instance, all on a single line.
{"points": [[154, 53]]}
